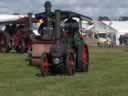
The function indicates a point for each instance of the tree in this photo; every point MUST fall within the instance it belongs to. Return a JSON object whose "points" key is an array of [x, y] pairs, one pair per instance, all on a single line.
{"points": [[103, 18], [123, 18]]}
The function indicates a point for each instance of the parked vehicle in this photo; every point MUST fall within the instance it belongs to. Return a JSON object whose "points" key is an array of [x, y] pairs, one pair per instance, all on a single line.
{"points": [[103, 40]]}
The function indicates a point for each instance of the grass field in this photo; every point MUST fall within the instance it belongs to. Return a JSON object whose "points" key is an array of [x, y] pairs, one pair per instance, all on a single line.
{"points": [[108, 76]]}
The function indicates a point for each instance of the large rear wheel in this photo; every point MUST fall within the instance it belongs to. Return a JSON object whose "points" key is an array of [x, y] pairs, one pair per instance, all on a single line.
{"points": [[82, 58], [70, 64]]}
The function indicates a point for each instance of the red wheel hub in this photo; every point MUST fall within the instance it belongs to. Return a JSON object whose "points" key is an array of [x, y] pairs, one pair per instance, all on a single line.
{"points": [[71, 65], [84, 56]]}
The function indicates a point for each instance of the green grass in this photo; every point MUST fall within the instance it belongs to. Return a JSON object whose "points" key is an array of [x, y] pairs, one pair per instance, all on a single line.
{"points": [[108, 76]]}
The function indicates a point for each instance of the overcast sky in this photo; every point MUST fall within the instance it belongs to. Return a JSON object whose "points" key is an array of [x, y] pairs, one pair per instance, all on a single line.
{"points": [[86, 7]]}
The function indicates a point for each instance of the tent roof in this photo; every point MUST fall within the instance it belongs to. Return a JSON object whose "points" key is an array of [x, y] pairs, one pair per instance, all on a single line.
{"points": [[101, 27], [120, 26]]}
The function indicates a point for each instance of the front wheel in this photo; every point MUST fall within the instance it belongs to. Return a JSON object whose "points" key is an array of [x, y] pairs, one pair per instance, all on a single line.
{"points": [[70, 64], [44, 66]]}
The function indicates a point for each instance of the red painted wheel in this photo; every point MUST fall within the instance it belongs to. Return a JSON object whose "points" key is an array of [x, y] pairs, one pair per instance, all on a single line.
{"points": [[82, 58], [3, 44], [20, 48], [70, 64], [44, 65]]}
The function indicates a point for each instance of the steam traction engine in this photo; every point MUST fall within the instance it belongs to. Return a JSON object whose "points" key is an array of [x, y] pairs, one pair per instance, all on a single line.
{"points": [[60, 45], [14, 34]]}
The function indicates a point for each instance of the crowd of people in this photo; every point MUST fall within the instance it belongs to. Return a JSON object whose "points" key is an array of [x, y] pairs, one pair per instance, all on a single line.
{"points": [[123, 40]]}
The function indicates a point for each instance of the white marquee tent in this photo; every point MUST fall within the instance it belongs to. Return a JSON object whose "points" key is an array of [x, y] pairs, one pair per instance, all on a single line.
{"points": [[120, 26]]}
